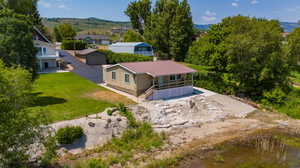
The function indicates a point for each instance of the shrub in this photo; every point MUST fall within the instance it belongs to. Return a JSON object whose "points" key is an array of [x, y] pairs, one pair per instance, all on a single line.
{"points": [[114, 58], [69, 134], [276, 96], [50, 152], [70, 44], [110, 112]]}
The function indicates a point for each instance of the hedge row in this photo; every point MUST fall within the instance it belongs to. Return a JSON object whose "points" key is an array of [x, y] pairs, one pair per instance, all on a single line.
{"points": [[70, 44], [114, 58]]}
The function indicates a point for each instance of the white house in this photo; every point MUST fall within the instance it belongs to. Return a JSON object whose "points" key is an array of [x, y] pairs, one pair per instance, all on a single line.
{"points": [[47, 56], [140, 48]]}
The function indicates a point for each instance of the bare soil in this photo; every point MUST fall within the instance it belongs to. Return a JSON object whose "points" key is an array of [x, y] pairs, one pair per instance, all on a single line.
{"points": [[110, 96]]}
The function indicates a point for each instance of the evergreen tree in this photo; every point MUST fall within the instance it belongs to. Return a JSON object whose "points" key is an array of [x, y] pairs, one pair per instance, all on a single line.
{"points": [[16, 44]]}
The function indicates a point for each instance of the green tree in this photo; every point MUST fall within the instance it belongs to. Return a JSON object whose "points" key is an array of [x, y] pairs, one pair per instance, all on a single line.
{"points": [[249, 50], [16, 44], [65, 32], [133, 36], [57, 34], [28, 8], [139, 11], [293, 47], [170, 29], [19, 130]]}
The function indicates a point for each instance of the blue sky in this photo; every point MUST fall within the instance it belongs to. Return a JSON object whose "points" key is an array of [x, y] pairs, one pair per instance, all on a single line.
{"points": [[203, 11]]}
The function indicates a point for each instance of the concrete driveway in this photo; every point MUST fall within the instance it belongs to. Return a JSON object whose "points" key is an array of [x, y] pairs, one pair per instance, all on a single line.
{"points": [[90, 72]]}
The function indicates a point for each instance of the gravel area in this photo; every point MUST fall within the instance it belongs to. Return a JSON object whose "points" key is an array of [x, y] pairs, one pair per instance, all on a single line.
{"points": [[190, 111], [98, 129]]}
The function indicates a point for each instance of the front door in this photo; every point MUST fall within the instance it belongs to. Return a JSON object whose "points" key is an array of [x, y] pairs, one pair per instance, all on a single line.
{"points": [[46, 65]]}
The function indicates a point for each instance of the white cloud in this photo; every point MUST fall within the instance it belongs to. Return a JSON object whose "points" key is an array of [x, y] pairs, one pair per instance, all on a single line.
{"points": [[209, 16], [235, 4], [44, 4], [254, 2], [61, 4]]}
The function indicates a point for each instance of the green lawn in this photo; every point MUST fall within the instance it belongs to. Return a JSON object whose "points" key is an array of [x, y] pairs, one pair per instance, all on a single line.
{"points": [[63, 96]]}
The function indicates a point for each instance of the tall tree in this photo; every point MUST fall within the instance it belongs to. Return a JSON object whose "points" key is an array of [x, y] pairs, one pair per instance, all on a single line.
{"points": [[18, 129], [170, 29], [294, 47], [16, 44], [133, 36], [57, 34], [28, 8], [249, 50], [139, 12], [65, 32]]}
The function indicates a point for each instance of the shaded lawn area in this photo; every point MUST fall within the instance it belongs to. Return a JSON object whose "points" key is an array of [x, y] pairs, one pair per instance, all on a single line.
{"points": [[65, 96]]}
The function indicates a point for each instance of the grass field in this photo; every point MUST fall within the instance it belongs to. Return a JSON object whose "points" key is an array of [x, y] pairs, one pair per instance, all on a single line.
{"points": [[65, 96]]}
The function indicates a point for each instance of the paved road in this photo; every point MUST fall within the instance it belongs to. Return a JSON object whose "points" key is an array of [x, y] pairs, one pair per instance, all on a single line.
{"points": [[92, 73]]}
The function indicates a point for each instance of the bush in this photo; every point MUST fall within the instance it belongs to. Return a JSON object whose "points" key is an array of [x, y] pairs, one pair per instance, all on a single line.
{"points": [[69, 134], [275, 97], [70, 44], [114, 58]]}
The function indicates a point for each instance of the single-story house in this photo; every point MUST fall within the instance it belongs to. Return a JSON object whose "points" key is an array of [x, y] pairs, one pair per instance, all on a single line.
{"points": [[120, 30], [47, 56], [140, 48], [92, 56], [94, 39], [153, 80]]}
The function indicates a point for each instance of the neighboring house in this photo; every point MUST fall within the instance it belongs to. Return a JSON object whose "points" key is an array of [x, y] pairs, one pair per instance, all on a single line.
{"points": [[94, 39], [140, 48], [151, 80], [119, 30], [92, 56], [47, 56]]}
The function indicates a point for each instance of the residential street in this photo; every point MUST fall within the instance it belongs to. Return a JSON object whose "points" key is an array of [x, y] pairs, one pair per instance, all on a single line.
{"points": [[92, 73]]}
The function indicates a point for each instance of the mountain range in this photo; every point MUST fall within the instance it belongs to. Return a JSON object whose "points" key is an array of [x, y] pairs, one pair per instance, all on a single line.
{"points": [[101, 26]]}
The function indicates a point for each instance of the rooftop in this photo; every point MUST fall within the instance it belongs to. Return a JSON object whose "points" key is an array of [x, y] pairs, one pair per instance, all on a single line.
{"points": [[157, 68], [129, 44], [95, 37], [86, 51]]}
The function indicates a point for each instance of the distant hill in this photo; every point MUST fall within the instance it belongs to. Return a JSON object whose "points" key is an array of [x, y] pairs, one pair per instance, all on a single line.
{"points": [[287, 26], [101, 26], [83, 25]]}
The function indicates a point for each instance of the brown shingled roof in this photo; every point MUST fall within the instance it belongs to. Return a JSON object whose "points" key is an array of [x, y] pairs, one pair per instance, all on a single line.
{"points": [[157, 68]]}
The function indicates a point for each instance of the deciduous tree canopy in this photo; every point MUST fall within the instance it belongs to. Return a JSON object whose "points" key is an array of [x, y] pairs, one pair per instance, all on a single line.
{"points": [[249, 50]]}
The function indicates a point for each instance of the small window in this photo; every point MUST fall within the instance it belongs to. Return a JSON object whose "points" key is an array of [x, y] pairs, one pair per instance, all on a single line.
{"points": [[127, 78], [40, 52], [113, 76], [178, 77], [44, 51], [173, 77]]}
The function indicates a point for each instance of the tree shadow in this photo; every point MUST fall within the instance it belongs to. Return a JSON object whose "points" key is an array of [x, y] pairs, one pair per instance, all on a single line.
{"points": [[78, 144], [45, 100]]}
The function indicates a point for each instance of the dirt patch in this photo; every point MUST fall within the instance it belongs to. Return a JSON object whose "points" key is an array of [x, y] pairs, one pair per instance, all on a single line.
{"points": [[111, 97]]}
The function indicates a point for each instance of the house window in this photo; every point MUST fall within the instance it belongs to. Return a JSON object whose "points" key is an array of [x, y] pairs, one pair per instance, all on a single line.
{"points": [[113, 76], [40, 51], [44, 51], [173, 77], [178, 77], [127, 78]]}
